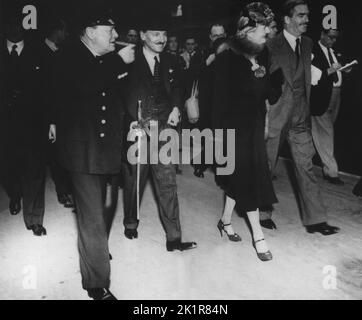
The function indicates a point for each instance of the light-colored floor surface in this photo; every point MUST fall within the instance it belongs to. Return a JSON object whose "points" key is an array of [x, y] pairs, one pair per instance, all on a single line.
{"points": [[304, 267]]}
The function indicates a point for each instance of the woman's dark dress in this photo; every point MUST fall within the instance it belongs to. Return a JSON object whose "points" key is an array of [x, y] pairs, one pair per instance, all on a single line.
{"points": [[239, 103]]}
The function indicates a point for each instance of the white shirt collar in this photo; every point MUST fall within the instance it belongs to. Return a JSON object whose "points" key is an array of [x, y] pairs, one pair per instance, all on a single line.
{"points": [[90, 49], [325, 51], [52, 46], [324, 48], [292, 40], [20, 46], [150, 57]]}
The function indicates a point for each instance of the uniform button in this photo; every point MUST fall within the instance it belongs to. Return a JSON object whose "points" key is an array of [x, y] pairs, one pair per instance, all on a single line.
{"points": [[104, 108], [102, 135], [103, 121], [101, 61], [103, 94]]}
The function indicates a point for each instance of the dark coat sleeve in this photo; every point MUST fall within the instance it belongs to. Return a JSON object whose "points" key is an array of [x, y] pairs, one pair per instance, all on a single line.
{"points": [[321, 93], [221, 85]]}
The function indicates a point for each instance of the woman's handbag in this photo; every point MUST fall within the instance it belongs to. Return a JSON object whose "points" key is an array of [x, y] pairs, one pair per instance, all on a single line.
{"points": [[192, 104]]}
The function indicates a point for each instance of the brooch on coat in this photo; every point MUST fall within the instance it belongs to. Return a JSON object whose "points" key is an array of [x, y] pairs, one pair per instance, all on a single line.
{"points": [[259, 71], [170, 72]]}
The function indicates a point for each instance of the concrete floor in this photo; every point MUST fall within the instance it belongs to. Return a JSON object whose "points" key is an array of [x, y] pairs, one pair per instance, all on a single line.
{"points": [[48, 267]]}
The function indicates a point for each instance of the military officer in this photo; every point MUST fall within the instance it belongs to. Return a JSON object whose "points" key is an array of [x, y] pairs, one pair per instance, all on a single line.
{"points": [[88, 81]]}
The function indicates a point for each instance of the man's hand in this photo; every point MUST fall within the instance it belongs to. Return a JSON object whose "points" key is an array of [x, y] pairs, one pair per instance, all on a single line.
{"points": [[334, 68], [127, 54], [174, 118], [210, 59], [53, 133], [135, 132]]}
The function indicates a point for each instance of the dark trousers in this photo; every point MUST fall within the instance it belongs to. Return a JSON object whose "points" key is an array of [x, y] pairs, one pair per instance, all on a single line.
{"points": [[59, 175], [11, 181], [33, 185], [300, 140], [24, 178], [95, 217], [164, 178]]}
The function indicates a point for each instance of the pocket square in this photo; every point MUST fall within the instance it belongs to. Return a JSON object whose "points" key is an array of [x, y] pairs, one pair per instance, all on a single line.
{"points": [[121, 76]]}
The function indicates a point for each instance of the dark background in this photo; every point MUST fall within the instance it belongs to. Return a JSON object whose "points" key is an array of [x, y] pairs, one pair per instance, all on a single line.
{"points": [[197, 17]]}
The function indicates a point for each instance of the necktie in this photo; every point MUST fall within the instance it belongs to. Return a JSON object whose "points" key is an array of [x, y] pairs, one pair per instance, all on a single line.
{"points": [[297, 50], [331, 61], [13, 52], [156, 72]]}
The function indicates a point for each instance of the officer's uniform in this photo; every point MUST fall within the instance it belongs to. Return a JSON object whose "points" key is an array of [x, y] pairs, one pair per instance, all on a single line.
{"points": [[88, 114]]}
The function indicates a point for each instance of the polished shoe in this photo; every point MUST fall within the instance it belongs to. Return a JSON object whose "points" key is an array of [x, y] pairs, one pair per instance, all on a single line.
{"points": [[101, 294], [131, 233], [323, 228], [268, 224], [334, 180], [232, 237], [178, 245], [263, 256], [357, 190], [199, 173], [38, 230], [66, 200], [15, 206]]}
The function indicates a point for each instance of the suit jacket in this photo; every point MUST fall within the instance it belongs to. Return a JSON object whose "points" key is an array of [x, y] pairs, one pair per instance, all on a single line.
{"points": [[321, 93], [21, 108], [48, 59], [140, 84], [88, 109], [281, 57]]}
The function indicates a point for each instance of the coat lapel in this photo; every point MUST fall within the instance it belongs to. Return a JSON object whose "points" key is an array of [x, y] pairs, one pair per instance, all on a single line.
{"points": [[165, 68], [306, 56], [286, 58]]}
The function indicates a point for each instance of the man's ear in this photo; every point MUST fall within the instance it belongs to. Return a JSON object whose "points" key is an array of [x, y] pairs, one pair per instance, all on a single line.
{"points": [[287, 20], [89, 31], [142, 35]]}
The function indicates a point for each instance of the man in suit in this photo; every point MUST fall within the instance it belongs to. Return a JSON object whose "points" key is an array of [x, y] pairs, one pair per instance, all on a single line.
{"points": [[89, 117], [154, 82], [325, 102], [56, 34], [290, 118], [24, 129]]}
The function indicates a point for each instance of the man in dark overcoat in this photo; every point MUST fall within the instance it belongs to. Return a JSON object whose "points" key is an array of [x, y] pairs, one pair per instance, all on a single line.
{"points": [[88, 116]]}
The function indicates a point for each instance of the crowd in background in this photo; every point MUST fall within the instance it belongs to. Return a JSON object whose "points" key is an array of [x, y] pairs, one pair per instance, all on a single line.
{"points": [[267, 81]]}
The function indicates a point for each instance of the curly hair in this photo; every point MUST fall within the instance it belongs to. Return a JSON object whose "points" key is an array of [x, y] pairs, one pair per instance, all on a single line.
{"points": [[253, 14]]}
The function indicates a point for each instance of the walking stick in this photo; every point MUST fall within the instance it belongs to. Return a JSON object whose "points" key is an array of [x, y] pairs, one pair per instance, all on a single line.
{"points": [[139, 116]]}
